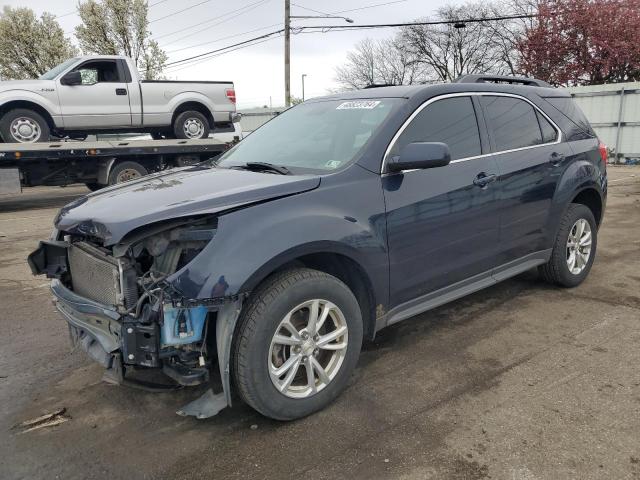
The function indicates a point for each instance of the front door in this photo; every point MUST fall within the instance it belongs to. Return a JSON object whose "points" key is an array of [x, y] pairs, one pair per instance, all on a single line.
{"points": [[101, 101], [443, 222], [531, 158]]}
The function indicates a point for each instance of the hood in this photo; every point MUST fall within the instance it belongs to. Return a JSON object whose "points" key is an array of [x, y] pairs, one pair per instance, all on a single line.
{"points": [[31, 85], [112, 213]]}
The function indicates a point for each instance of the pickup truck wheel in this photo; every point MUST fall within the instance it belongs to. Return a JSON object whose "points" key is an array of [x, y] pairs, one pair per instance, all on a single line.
{"points": [[24, 126], [574, 249], [297, 343], [125, 171], [191, 124]]}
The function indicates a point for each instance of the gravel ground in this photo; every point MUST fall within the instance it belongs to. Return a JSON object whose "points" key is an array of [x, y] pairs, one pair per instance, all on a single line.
{"points": [[519, 381]]}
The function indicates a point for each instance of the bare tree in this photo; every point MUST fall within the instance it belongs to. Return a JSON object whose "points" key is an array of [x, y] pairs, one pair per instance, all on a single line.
{"points": [[506, 35], [120, 27], [453, 49], [379, 62], [30, 46]]}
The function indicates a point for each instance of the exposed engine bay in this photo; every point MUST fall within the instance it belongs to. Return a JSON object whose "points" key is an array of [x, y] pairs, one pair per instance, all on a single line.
{"points": [[151, 324]]}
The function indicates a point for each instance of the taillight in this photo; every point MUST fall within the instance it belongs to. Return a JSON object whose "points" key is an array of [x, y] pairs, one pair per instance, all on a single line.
{"points": [[603, 153], [231, 94]]}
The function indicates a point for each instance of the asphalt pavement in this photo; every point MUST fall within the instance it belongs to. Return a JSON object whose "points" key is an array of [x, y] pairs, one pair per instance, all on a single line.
{"points": [[519, 381]]}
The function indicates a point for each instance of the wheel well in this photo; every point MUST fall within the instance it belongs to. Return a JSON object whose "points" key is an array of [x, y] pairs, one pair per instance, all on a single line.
{"points": [[349, 272], [591, 199], [29, 106], [198, 107]]}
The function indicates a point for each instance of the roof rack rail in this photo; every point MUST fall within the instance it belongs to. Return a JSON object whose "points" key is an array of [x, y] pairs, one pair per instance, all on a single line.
{"points": [[380, 85], [531, 82]]}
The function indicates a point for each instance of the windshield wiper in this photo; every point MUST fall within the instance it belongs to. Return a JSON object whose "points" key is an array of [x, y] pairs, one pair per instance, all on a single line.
{"points": [[264, 166]]}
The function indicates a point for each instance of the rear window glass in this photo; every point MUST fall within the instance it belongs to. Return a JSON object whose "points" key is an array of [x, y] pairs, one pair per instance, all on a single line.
{"points": [[549, 133], [513, 122]]}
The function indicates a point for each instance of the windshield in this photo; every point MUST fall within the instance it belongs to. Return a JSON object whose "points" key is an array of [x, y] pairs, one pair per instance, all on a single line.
{"points": [[315, 136], [55, 71]]}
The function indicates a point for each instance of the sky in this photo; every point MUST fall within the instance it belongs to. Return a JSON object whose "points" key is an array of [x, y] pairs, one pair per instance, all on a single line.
{"points": [[258, 70]]}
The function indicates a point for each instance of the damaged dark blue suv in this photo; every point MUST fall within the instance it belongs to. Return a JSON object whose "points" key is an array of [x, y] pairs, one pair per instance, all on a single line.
{"points": [[261, 272]]}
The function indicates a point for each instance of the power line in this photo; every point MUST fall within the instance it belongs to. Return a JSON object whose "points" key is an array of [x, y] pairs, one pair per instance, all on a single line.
{"points": [[247, 9], [266, 35], [177, 68], [65, 14], [156, 3], [371, 6], [331, 28], [222, 38], [179, 11], [350, 10], [209, 20]]}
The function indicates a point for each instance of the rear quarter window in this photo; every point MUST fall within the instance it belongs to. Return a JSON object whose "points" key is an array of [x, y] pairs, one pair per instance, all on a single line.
{"points": [[568, 107]]}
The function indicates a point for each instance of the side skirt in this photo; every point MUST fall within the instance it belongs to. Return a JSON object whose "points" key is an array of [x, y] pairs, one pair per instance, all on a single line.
{"points": [[463, 288]]}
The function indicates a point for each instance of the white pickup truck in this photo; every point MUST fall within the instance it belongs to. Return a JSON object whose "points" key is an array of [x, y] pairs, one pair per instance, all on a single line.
{"points": [[100, 94]]}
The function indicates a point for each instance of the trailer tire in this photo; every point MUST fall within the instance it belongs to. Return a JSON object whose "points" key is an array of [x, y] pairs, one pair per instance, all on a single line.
{"points": [[22, 125], [125, 171], [191, 125]]}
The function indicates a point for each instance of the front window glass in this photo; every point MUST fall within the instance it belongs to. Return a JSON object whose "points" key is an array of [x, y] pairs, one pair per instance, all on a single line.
{"points": [[451, 121], [315, 136], [57, 70]]}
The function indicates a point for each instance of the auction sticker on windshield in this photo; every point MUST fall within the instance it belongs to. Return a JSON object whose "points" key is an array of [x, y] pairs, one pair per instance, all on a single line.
{"points": [[360, 104]]}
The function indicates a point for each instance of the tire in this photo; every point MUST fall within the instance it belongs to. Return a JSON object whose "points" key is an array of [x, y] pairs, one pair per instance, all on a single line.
{"points": [[253, 351], [93, 186], [191, 118], [125, 171], [557, 270], [24, 126]]}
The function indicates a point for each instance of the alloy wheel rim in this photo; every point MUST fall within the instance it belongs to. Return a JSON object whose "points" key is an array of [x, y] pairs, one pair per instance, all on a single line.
{"points": [[308, 348], [579, 246], [127, 174], [193, 128], [25, 130]]}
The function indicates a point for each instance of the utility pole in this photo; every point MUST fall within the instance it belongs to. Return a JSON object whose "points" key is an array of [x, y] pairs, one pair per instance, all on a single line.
{"points": [[287, 53], [303, 75]]}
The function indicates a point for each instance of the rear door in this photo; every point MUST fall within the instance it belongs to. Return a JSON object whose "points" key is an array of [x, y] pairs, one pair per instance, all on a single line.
{"points": [[442, 223], [530, 155], [101, 101]]}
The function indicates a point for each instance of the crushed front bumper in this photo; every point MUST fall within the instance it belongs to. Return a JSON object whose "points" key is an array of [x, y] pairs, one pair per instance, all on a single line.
{"points": [[95, 327], [116, 342]]}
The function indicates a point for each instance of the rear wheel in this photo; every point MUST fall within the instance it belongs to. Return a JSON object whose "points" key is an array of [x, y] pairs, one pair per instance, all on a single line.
{"points": [[297, 343], [24, 126], [191, 125], [125, 171], [574, 249]]}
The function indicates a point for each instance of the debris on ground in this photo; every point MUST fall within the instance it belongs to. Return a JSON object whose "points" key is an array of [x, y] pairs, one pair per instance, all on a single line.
{"points": [[47, 420]]}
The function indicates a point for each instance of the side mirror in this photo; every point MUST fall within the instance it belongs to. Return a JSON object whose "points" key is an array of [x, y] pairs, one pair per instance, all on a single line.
{"points": [[420, 155], [71, 78]]}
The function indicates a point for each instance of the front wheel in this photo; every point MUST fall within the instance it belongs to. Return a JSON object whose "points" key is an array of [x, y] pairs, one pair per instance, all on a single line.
{"points": [[297, 343], [191, 125], [24, 126], [574, 249]]}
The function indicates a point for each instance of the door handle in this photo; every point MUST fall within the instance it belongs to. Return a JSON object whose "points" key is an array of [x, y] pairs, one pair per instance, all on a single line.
{"points": [[482, 180], [556, 159], [121, 91]]}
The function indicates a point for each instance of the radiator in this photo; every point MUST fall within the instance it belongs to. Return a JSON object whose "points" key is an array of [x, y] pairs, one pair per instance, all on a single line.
{"points": [[98, 276]]}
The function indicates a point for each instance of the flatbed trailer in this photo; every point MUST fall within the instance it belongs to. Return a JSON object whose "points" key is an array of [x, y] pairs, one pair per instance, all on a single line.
{"points": [[96, 164]]}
